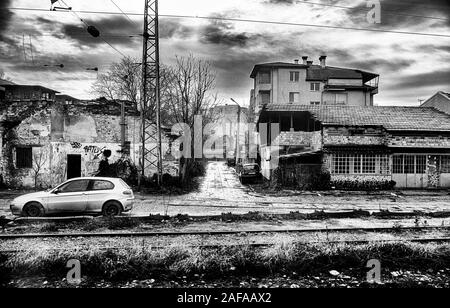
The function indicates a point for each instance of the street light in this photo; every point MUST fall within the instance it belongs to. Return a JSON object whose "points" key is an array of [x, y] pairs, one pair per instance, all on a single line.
{"points": [[237, 131]]}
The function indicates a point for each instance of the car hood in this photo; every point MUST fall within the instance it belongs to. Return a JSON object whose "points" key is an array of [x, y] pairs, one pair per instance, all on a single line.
{"points": [[32, 196]]}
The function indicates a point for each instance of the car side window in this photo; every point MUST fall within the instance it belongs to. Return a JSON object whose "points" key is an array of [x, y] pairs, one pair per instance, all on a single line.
{"points": [[75, 186], [102, 185]]}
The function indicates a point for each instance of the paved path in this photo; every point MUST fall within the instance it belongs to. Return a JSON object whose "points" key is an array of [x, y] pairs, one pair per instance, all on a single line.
{"points": [[221, 192]]}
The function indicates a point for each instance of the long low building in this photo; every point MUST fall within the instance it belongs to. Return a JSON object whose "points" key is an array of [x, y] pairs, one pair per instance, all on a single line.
{"points": [[408, 145]]}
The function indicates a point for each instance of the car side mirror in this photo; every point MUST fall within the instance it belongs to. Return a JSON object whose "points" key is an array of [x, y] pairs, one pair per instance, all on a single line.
{"points": [[56, 191]]}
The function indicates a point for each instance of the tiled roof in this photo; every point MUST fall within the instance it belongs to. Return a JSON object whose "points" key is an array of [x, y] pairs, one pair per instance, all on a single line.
{"points": [[391, 118]]}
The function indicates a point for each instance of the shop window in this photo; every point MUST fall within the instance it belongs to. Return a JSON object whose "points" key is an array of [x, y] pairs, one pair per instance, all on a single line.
{"points": [[421, 164], [445, 164], [397, 164], [409, 164]]}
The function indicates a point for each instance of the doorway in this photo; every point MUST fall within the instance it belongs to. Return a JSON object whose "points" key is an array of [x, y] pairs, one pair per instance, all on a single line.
{"points": [[73, 166]]}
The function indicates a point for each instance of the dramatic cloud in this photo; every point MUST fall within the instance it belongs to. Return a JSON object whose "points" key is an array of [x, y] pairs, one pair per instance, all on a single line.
{"points": [[409, 66], [5, 17], [433, 78], [406, 13]]}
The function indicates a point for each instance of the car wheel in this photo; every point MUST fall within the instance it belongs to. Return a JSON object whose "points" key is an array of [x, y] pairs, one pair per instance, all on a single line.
{"points": [[111, 209], [33, 209]]}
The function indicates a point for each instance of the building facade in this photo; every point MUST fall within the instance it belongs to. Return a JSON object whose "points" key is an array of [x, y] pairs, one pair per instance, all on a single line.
{"points": [[309, 84], [45, 141], [408, 145]]}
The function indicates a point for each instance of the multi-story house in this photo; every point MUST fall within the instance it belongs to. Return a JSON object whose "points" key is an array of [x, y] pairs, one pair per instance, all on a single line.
{"points": [[310, 84]]}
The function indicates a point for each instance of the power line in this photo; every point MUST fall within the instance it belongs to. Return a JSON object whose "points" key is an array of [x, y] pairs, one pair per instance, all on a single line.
{"points": [[87, 25], [257, 21], [125, 14]]}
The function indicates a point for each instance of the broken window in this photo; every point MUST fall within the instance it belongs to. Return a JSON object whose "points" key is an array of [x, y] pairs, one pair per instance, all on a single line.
{"points": [[24, 157], [294, 97], [265, 97]]}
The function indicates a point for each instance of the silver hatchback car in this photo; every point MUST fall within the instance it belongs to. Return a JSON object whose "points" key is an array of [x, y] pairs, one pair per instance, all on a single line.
{"points": [[108, 196]]}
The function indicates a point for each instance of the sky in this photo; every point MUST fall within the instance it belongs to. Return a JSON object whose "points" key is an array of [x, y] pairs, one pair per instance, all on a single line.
{"points": [[411, 67]]}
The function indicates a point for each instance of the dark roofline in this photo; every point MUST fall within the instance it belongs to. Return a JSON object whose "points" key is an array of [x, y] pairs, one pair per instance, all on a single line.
{"points": [[366, 76], [29, 86], [276, 64]]}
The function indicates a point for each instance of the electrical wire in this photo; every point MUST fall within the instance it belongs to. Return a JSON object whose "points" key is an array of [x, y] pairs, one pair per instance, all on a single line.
{"points": [[104, 40], [125, 14], [258, 21]]}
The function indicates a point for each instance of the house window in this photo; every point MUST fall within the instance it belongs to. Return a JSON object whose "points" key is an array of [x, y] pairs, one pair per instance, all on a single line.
{"points": [[315, 86], [294, 76], [24, 157], [368, 164], [341, 164], [264, 78], [335, 98], [315, 103], [265, 97], [46, 96], [294, 97]]}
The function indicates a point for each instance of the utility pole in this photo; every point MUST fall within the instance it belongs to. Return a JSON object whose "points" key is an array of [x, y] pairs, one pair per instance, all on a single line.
{"points": [[237, 131], [150, 113]]}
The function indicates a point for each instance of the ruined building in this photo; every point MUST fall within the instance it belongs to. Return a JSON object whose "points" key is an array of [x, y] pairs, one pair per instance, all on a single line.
{"points": [[46, 140]]}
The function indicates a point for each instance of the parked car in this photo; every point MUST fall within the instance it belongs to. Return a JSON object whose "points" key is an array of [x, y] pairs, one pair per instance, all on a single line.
{"points": [[106, 196], [249, 172]]}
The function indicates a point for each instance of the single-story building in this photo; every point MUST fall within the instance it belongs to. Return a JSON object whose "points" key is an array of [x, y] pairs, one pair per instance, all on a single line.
{"points": [[45, 141], [408, 145]]}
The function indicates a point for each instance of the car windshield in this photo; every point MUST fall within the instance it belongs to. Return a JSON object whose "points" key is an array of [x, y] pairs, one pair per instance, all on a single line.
{"points": [[251, 167]]}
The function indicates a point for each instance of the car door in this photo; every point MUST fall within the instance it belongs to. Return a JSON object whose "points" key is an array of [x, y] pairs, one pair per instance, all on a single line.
{"points": [[69, 197], [99, 192]]}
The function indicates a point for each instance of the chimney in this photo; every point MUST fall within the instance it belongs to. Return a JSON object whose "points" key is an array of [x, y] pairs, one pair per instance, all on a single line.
{"points": [[309, 63], [323, 61], [296, 61], [305, 60]]}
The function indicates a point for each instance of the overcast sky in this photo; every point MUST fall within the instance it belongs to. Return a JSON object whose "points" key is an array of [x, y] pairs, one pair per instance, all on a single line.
{"points": [[411, 67]]}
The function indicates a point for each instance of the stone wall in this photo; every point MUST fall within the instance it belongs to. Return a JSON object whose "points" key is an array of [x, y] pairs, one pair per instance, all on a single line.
{"points": [[419, 141], [353, 136]]}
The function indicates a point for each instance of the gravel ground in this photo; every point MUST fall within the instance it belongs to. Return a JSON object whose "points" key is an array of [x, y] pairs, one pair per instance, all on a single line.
{"points": [[350, 279]]}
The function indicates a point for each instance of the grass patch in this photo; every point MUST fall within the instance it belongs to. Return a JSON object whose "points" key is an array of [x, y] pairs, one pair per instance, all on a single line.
{"points": [[229, 261]]}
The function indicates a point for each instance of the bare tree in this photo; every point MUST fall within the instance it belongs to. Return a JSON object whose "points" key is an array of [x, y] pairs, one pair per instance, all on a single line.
{"points": [[189, 94], [39, 161], [122, 81]]}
